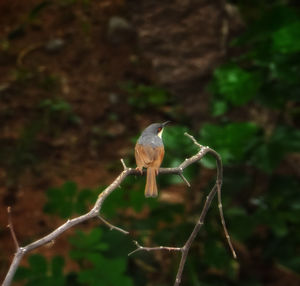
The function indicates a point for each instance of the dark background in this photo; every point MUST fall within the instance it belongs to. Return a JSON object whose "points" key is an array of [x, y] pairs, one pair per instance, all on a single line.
{"points": [[79, 81]]}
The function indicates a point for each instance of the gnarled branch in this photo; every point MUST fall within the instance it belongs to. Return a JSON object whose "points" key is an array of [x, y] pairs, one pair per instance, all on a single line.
{"points": [[94, 212], [216, 189]]}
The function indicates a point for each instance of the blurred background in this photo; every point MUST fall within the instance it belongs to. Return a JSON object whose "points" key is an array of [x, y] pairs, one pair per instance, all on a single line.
{"points": [[79, 81]]}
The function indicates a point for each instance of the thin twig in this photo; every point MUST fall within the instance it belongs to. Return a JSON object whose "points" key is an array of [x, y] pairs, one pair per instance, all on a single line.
{"points": [[223, 221], [11, 228], [111, 227], [185, 180], [143, 248], [219, 185], [193, 139], [124, 165]]}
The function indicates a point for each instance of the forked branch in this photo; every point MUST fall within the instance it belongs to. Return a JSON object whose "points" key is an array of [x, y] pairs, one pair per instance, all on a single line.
{"points": [[95, 212], [216, 189]]}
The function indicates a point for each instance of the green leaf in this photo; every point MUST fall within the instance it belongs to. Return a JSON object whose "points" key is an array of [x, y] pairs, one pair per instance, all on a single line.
{"points": [[241, 224], [232, 141], [57, 266], [142, 96], [270, 153], [61, 200], [236, 85], [102, 271], [219, 107], [69, 188], [86, 243], [38, 264], [287, 38], [259, 32], [178, 147], [40, 272], [292, 263], [37, 9], [137, 197], [22, 273], [215, 254], [83, 199], [115, 199], [67, 200]]}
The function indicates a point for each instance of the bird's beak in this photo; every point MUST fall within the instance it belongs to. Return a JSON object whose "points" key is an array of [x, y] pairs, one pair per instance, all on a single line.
{"points": [[165, 123]]}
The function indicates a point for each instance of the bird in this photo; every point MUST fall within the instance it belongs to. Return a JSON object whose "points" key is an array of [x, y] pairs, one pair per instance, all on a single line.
{"points": [[149, 153]]}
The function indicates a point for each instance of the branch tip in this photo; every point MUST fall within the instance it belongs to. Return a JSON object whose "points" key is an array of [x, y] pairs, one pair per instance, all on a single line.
{"points": [[193, 139], [111, 227], [124, 165], [185, 180], [143, 248], [218, 184], [11, 228]]}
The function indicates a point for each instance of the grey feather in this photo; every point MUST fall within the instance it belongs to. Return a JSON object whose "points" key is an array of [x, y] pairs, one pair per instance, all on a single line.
{"points": [[149, 136]]}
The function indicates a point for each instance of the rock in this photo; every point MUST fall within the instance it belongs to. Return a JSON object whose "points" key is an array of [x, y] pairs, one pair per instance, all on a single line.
{"points": [[54, 45], [119, 30], [113, 98]]}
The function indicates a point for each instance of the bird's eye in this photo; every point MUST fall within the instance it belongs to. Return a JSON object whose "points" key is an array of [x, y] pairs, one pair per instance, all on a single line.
{"points": [[159, 129]]}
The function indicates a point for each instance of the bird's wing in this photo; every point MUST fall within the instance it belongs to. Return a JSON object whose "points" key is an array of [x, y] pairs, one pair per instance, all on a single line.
{"points": [[148, 155], [138, 157], [159, 156], [144, 155]]}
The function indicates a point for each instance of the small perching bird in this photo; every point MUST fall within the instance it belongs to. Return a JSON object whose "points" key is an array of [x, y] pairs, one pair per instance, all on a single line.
{"points": [[149, 153]]}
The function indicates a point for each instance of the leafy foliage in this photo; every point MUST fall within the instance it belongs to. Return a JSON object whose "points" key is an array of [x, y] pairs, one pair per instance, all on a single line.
{"points": [[57, 111], [41, 272], [286, 39], [267, 155], [264, 76], [67, 200], [86, 245], [233, 141], [179, 148], [97, 264], [235, 84], [88, 250], [145, 96]]}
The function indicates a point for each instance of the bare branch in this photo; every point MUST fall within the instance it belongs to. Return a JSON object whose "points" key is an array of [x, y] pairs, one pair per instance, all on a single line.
{"points": [[192, 236], [94, 212], [223, 222], [143, 248], [11, 228], [112, 226], [185, 180], [218, 185], [124, 165], [193, 139], [216, 189]]}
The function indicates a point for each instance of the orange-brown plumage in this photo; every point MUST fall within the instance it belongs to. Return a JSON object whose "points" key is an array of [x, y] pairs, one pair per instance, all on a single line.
{"points": [[150, 158], [149, 153]]}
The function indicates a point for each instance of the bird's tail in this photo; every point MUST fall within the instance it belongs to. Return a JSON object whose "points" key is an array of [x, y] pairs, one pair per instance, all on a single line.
{"points": [[151, 187]]}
